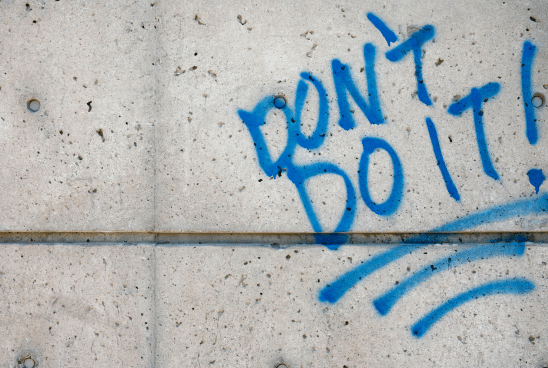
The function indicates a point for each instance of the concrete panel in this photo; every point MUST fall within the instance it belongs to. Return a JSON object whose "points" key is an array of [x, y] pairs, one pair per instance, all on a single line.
{"points": [[258, 306], [142, 122], [85, 159], [221, 60], [174, 121], [68, 306]]}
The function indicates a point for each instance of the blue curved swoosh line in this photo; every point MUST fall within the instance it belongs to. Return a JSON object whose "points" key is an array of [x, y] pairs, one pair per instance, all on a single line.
{"points": [[498, 213], [385, 302], [334, 291], [491, 288]]}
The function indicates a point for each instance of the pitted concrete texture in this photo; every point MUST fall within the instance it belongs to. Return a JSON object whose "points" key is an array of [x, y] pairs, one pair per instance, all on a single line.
{"points": [[258, 306], [237, 55], [77, 306], [152, 121], [85, 160], [146, 110]]}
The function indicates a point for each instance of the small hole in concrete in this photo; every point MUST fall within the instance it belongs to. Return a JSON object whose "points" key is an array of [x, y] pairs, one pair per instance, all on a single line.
{"points": [[279, 102], [282, 365], [33, 105], [26, 360], [537, 100]]}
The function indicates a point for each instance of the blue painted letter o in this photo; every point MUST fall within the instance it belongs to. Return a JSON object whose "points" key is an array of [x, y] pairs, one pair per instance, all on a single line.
{"points": [[389, 206]]}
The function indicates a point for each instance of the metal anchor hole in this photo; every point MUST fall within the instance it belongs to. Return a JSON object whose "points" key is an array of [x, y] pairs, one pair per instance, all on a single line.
{"points": [[33, 105], [26, 361], [537, 100], [279, 102]]}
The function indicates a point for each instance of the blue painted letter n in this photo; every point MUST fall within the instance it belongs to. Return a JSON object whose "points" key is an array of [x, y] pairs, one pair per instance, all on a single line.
{"points": [[344, 84]]}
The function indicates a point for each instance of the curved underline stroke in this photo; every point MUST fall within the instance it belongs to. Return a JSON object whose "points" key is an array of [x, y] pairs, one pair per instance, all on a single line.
{"points": [[334, 291], [503, 212], [491, 288], [385, 302]]}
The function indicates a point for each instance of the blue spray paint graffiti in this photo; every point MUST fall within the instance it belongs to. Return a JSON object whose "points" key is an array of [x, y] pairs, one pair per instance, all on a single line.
{"points": [[389, 206], [451, 188], [296, 173], [335, 290], [414, 44], [386, 32], [371, 107], [475, 101], [343, 83], [527, 58], [492, 288], [385, 302], [536, 178]]}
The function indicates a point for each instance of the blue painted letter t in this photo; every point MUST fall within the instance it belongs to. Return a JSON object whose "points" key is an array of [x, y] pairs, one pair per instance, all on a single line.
{"points": [[414, 43], [475, 101]]}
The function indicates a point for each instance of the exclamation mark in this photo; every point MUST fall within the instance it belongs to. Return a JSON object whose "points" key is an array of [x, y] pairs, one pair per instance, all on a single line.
{"points": [[530, 102]]}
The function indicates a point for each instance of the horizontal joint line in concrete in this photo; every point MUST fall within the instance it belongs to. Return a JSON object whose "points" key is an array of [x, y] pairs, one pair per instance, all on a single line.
{"points": [[220, 238]]}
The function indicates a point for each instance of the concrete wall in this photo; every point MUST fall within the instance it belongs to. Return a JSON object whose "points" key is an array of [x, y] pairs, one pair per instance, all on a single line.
{"points": [[406, 141]]}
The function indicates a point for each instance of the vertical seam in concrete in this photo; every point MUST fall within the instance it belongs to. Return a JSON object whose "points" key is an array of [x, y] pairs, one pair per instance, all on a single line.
{"points": [[156, 113], [156, 116], [154, 177], [154, 299]]}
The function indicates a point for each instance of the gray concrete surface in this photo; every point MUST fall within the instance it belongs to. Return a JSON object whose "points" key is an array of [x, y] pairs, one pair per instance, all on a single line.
{"points": [[256, 306], [218, 184], [86, 306], [139, 129], [150, 132], [58, 172]]}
